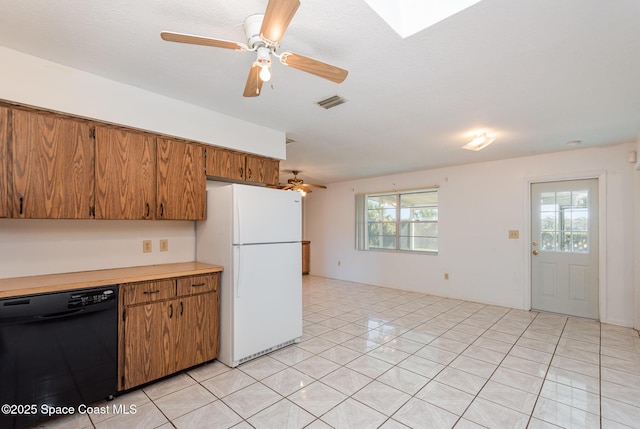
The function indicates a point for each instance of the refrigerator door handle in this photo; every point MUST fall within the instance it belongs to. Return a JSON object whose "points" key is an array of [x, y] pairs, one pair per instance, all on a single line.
{"points": [[237, 269], [236, 220]]}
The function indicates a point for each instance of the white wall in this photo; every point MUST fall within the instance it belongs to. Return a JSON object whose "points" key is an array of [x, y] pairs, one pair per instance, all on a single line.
{"points": [[30, 247], [38, 246], [33, 81], [478, 205]]}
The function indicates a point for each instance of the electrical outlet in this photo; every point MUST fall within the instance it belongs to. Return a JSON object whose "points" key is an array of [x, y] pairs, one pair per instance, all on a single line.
{"points": [[146, 246], [514, 234], [446, 276], [164, 245]]}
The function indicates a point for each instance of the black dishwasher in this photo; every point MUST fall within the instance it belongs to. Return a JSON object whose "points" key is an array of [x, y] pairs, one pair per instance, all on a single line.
{"points": [[56, 350]]}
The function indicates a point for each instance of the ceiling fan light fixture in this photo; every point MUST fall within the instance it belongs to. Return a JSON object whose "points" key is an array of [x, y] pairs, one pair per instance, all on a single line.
{"points": [[265, 74], [264, 61], [479, 142], [263, 34], [297, 184]]}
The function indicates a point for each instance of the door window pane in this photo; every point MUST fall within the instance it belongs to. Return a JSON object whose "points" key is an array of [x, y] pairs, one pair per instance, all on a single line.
{"points": [[564, 221]]}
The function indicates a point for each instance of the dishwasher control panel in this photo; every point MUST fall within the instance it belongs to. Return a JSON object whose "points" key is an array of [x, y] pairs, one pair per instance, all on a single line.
{"points": [[83, 299]]}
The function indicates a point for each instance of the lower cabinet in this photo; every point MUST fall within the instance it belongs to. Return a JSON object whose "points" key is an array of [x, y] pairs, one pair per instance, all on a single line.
{"points": [[167, 326]]}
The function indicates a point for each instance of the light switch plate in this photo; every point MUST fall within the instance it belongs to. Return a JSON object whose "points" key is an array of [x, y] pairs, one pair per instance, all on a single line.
{"points": [[146, 246], [514, 234], [164, 245]]}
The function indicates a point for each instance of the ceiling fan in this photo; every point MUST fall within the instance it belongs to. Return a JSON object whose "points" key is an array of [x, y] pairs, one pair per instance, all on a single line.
{"points": [[296, 184], [263, 33]]}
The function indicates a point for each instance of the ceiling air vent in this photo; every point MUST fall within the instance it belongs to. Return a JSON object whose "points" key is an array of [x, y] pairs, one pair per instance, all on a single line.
{"points": [[290, 140], [331, 102]]}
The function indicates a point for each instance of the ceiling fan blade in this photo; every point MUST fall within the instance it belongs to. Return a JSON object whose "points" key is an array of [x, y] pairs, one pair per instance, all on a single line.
{"points": [[310, 65], [254, 83], [276, 19], [313, 185], [199, 40], [301, 188]]}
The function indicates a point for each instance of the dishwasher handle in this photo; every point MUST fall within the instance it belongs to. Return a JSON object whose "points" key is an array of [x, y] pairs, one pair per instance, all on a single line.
{"points": [[61, 314], [39, 318]]}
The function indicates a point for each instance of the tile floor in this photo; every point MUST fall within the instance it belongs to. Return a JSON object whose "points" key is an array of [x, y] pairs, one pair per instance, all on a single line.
{"points": [[374, 357]]}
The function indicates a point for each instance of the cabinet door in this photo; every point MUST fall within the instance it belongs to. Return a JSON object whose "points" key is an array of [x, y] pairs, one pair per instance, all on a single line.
{"points": [[148, 343], [225, 163], [4, 189], [52, 166], [181, 182], [125, 174], [262, 170], [271, 175], [196, 339], [254, 167]]}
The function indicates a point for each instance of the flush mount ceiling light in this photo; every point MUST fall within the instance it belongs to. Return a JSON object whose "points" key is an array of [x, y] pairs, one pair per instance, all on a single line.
{"points": [[480, 141]]}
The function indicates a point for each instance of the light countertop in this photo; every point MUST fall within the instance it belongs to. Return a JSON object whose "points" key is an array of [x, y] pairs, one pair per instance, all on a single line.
{"points": [[47, 283]]}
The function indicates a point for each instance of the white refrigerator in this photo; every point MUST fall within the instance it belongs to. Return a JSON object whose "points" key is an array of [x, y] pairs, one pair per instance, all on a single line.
{"points": [[255, 234]]}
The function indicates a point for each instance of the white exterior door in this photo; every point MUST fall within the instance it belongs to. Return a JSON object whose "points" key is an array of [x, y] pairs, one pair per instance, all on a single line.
{"points": [[564, 247]]}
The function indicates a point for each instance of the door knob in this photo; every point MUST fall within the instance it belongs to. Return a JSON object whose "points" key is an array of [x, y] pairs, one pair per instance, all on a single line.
{"points": [[535, 252]]}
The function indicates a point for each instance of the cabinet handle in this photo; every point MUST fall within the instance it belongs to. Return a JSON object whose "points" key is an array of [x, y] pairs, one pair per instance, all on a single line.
{"points": [[170, 311], [148, 210], [198, 284], [241, 172], [161, 209], [150, 292], [181, 308], [249, 176], [21, 201]]}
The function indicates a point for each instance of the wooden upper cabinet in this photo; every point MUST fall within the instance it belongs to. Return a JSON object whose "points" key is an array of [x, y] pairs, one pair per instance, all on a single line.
{"points": [[52, 166], [225, 163], [262, 170], [4, 163], [181, 181], [240, 166], [125, 174]]}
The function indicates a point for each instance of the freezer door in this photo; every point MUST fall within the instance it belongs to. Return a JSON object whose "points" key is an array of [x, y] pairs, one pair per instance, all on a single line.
{"points": [[265, 215], [267, 309]]}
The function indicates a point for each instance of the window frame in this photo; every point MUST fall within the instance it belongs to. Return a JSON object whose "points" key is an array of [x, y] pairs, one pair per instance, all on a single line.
{"points": [[363, 221]]}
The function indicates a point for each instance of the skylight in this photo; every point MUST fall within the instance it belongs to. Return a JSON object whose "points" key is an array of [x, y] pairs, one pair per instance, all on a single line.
{"points": [[407, 17]]}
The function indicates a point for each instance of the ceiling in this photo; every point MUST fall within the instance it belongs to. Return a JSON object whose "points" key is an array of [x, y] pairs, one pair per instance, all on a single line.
{"points": [[536, 73]]}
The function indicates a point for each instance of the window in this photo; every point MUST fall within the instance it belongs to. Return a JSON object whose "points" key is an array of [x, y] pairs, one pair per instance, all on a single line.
{"points": [[564, 221], [404, 221]]}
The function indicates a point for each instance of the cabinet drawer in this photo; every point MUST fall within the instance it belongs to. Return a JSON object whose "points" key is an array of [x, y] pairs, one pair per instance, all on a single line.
{"points": [[198, 284], [143, 292]]}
